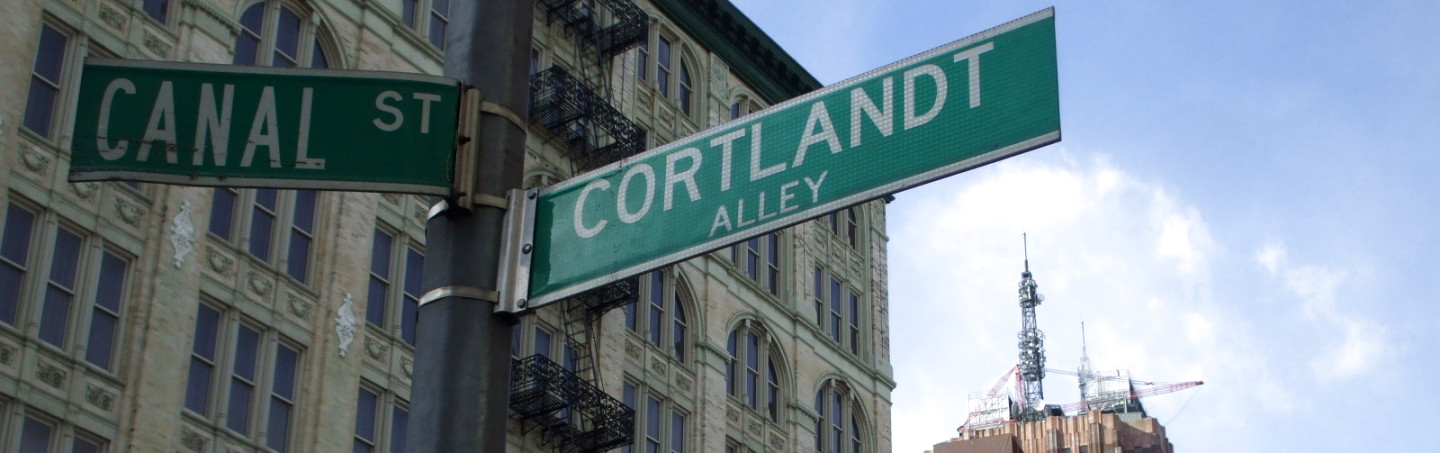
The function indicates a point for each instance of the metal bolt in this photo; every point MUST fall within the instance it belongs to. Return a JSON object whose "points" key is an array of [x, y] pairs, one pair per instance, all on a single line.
{"points": [[530, 194], [526, 248], [522, 303]]}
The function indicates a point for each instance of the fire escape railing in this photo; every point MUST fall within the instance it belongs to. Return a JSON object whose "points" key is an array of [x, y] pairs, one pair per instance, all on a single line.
{"points": [[595, 133], [628, 23], [569, 411]]}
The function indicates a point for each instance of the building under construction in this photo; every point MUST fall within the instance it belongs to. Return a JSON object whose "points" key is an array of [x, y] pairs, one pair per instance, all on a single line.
{"points": [[1109, 417]]}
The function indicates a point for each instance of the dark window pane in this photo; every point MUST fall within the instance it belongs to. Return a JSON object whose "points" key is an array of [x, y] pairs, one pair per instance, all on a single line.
{"points": [[238, 412], [735, 110], [365, 415], [677, 432], [222, 209], [19, 222], [11, 279], [245, 48], [414, 271], [35, 436], [207, 327], [542, 342], [305, 210], [399, 424], [685, 90], [375, 302], [409, 318], [297, 263], [287, 35], [197, 388], [247, 347], [630, 319], [642, 59], [317, 57], [112, 282], [437, 31], [662, 71], [66, 259], [286, 362], [102, 338], [40, 107], [277, 428], [157, 9], [261, 225], [407, 12], [50, 54], [83, 445], [380, 254], [54, 315]]}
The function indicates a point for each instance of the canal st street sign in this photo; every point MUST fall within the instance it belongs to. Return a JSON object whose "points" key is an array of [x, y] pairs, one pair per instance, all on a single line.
{"points": [[223, 125], [957, 107]]}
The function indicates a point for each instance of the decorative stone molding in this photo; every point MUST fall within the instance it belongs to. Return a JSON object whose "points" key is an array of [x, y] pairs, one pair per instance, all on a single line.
{"points": [[345, 324], [193, 441], [632, 350], [407, 366], [182, 234], [219, 263], [50, 374], [156, 45], [215, 13], [374, 349], [777, 440], [683, 382], [128, 212], [7, 353], [299, 307], [33, 159], [755, 428], [85, 190], [393, 198], [98, 397], [259, 284], [112, 18], [657, 365], [732, 415]]}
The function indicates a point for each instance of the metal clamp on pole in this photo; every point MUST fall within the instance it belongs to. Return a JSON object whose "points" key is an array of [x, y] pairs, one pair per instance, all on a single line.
{"points": [[467, 143], [516, 250], [463, 292]]}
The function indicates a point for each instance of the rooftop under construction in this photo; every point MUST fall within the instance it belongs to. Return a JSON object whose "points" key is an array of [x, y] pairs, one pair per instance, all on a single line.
{"points": [[1109, 416]]}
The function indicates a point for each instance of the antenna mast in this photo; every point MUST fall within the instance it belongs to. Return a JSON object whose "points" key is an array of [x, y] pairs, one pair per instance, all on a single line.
{"points": [[1032, 345]]}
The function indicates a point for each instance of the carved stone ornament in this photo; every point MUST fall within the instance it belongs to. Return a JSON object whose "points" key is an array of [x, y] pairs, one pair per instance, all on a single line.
{"points": [[191, 440], [112, 17], [345, 324], [375, 349], [682, 381], [777, 441], [33, 159], [755, 427], [157, 45], [299, 307], [407, 366], [128, 212], [84, 189], [219, 263], [632, 350], [260, 284], [182, 234], [657, 365], [50, 374], [99, 397], [7, 353], [732, 414], [393, 198]]}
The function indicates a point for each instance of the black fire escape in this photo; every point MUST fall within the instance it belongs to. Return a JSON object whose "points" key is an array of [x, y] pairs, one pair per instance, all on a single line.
{"points": [[571, 413], [573, 106]]}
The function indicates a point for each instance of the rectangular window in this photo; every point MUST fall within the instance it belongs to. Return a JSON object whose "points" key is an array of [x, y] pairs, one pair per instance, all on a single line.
{"points": [[262, 222], [657, 306], [772, 261], [302, 234], [642, 60], [854, 323], [439, 19], [45, 82], [365, 431], [819, 297], [662, 70], [60, 293], [36, 436], [407, 13], [222, 212], [627, 396], [652, 425], [243, 379], [685, 87], [399, 424], [835, 311], [542, 342], [202, 360], [677, 432], [735, 110], [379, 277], [14, 257], [752, 258], [410, 306], [105, 316], [282, 397]]}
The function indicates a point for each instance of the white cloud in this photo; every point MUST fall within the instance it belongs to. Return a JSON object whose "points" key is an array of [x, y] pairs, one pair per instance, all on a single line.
{"points": [[1127, 256], [1355, 346]]}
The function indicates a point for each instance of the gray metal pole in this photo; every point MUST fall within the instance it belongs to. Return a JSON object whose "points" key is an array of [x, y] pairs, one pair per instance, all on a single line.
{"points": [[460, 388]]}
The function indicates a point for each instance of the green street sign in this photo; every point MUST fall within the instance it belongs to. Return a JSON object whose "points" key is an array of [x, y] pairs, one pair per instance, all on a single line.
{"points": [[957, 107], [223, 125]]}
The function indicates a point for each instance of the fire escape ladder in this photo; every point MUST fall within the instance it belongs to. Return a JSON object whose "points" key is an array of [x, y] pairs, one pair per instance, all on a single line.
{"points": [[594, 133], [619, 28]]}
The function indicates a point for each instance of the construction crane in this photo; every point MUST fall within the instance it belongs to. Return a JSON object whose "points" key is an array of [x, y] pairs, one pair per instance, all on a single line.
{"points": [[1151, 388], [994, 391]]}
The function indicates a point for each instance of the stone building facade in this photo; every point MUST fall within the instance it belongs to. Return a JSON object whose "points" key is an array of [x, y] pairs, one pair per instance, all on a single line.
{"points": [[148, 317]]}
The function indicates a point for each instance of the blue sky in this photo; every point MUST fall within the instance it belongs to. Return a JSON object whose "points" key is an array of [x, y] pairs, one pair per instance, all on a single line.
{"points": [[1245, 195]]}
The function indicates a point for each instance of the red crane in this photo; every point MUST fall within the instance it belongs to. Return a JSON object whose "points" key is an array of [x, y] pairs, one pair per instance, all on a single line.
{"points": [[1151, 389]]}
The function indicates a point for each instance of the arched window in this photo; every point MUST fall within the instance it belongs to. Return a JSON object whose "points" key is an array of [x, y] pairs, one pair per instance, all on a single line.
{"points": [[839, 426], [687, 91], [662, 316], [274, 34], [756, 385]]}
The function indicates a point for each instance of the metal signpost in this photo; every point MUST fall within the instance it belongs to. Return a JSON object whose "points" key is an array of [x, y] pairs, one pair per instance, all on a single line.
{"points": [[249, 126], [960, 106]]}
